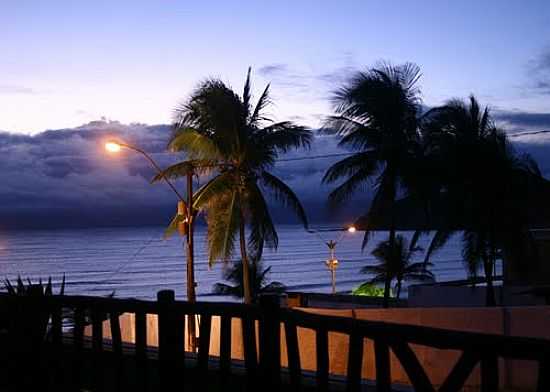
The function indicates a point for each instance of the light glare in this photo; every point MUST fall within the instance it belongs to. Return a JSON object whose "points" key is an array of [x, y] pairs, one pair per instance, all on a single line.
{"points": [[351, 229], [112, 147]]}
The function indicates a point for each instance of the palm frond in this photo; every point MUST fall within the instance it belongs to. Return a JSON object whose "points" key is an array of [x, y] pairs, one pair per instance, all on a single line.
{"points": [[284, 195], [222, 183], [223, 219], [173, 226], [262, 229], [195, 144], [185, 168], [440, 238], [367, 162], [263, 102], [284, 136], [247, 95], [349, 187]]}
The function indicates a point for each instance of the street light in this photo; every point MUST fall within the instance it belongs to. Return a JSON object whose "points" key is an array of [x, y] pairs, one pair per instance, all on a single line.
{"points": [[332, 262], [185, 208]]}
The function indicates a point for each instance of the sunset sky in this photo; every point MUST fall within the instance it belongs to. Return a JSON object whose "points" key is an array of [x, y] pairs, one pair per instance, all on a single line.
{"points": [[87, 70], [65, 63]]}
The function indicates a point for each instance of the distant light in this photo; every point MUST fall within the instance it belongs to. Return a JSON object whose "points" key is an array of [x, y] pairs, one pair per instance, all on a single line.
{"points": [[112, 146], [352, 229]]}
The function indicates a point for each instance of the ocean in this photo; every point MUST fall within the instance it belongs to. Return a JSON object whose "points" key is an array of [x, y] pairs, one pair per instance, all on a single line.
{"points": [[137, 262]]}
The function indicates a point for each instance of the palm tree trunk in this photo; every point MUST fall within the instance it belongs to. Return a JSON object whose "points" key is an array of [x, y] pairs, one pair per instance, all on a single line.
{"points": [[387, 288], [489, 289], [244, 260], [398, 289]]}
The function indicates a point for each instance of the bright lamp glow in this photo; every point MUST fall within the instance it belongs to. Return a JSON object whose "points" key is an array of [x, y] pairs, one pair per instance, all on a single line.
{"points": [[112, 146], [351, 229]]}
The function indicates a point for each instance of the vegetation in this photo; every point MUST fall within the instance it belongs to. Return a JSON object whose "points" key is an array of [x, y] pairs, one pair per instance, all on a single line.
{"points": [[453, 153], [258, 278], [227, 132], [376, 115], [394, 263], [369, 290], [22, 289], [486, 184]]}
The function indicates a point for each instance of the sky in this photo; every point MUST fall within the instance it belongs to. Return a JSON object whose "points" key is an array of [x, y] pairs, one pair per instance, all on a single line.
{"points": [[85, 69]]}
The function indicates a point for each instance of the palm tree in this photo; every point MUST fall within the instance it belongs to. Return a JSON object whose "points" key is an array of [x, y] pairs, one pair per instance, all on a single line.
{"points": [[259, 282], [394, 263], [376, 115], [485, 184], [227, 132]]}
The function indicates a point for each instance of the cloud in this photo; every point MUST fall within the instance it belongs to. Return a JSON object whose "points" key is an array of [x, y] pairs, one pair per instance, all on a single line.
{"points": [[539, 72], [516, 120], [64, 178], [272, 69]]}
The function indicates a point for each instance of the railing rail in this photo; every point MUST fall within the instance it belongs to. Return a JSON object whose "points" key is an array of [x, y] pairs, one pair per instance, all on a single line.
{"points": [[35, 320]]}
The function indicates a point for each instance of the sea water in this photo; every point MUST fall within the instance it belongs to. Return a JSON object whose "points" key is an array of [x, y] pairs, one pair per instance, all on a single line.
{"points": [[137, 262]]}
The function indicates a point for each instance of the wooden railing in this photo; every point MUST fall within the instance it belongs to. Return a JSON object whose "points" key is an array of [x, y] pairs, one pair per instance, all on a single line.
{"points": [[68, 352]]}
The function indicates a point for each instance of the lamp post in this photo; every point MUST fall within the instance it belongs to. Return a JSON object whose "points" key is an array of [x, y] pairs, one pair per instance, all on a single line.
{"points": [[332, 262], [185, 207]]}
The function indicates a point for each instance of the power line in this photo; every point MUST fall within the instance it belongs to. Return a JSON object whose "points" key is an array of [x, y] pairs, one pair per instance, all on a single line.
{"points": [[519, 134], [314, 157]]}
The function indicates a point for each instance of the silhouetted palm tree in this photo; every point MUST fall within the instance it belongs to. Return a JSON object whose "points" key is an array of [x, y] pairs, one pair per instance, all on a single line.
{"points": [[217, 125], [377, 116], [258, 278], [485, 184], [394, 263]]}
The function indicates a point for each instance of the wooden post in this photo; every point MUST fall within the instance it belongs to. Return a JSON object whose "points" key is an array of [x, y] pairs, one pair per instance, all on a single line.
{"points": [[116, 339], [141, 350], [97, 348], [383, 367], [78, 342], [168, 340], [293, 352], [321, 350], [270, 341], [489, 373], [225, 347]]}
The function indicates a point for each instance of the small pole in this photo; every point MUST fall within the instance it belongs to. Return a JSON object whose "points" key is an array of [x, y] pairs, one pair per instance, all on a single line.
{"points": [[191, 294]]}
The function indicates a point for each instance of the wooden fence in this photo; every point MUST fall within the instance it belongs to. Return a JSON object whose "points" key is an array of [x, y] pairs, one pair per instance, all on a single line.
{"points": [[42, 352]]}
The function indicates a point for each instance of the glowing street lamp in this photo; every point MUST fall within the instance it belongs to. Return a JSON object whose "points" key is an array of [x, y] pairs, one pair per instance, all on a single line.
{"points": [[112, 146]]}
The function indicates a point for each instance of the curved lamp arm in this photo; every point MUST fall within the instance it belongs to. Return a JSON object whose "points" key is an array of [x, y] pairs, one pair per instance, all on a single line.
{"points": [[157, 168]]}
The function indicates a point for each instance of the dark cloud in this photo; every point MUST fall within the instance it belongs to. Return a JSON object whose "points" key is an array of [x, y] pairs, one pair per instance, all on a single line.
{"points": [[539, 72], [338, 76], [64, 178], [523, 121], [315, 81], [272, 69]]}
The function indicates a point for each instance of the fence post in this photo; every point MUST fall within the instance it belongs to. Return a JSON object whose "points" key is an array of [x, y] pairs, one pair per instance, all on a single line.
{"points": [[167, 338], [270, 340]]}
